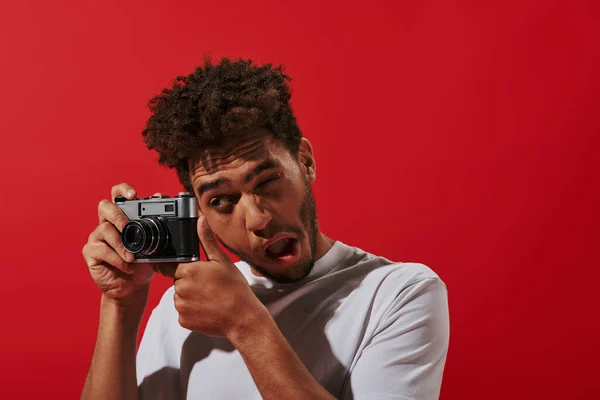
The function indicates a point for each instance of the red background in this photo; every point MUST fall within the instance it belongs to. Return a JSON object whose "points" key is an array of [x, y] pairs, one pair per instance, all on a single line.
{"points": [[463, 135]]}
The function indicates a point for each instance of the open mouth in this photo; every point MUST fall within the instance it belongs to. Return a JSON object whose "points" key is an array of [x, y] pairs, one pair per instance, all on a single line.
{"points": [[283, 249]]}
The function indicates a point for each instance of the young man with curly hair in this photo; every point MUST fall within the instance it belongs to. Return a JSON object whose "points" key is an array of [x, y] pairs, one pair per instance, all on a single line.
{"points": [[301, 316]]}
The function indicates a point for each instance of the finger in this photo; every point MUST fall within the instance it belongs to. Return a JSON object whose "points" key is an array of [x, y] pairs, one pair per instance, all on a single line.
{"points": [[106, 232], [116, 271], [177, 301], [165, 269], [108, 211], [209, 242], [122, 189], [185, 270], [157, 194], [100, 252], [181, 271], [178, 286]]}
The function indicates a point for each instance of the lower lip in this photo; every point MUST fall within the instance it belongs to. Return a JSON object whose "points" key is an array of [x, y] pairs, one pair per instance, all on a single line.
{"points": [[288, 258]]}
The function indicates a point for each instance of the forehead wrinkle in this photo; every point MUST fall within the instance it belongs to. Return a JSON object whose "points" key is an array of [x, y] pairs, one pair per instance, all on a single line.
{"points": [[237, 153], [232, 163], [241, 156], [212, 158]]}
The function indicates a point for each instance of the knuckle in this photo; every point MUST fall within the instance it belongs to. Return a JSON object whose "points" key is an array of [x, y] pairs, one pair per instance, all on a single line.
{"points": [[102, 204], [185, 271], [104, 228], [182, 271], [183, 322], [177, 302], [180, 288]]}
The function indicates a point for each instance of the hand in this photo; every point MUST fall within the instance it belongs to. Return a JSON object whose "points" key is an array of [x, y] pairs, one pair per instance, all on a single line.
{"points": [[213, 297], [110, 265]]}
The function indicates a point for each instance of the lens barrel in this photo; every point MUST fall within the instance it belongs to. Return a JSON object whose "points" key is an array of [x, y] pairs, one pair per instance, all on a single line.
{"points": [[146, 236]]}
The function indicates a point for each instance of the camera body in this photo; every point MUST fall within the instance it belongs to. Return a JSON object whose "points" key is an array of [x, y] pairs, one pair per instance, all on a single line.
{"points": [[161, 228]]}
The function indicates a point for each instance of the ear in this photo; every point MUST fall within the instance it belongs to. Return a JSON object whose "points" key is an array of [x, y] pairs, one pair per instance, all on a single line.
{"points": [[306, 160]]}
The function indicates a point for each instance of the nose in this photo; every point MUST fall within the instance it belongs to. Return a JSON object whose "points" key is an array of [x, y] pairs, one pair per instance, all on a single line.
{"points": [[257, 217]]}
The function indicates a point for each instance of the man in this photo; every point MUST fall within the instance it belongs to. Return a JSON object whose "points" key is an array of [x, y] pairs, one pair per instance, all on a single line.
{"points": [[302, 316]]}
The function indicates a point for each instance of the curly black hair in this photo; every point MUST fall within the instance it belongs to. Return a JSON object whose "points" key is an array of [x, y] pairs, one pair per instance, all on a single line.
{"points": [[215, 103]]}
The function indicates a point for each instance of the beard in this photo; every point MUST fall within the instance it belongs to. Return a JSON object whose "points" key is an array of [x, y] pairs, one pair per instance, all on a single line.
{"points": [[308, 215]]}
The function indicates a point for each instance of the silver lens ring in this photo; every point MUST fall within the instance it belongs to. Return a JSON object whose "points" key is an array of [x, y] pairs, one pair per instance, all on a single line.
{"points": [[155, 239], [164, 233], [162, 236]]}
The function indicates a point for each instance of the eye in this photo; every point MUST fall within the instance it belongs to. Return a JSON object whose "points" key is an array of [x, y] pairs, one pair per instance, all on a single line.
{"points": [[268, 180], [219, 202]]}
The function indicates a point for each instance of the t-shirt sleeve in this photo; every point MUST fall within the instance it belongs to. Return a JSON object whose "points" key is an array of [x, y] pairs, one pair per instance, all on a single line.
{"points": [[157, 368], [406, 354]]}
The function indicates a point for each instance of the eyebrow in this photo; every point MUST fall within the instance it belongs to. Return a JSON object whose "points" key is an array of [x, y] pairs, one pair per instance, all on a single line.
{"points": [[263, 166], [211, 185]]}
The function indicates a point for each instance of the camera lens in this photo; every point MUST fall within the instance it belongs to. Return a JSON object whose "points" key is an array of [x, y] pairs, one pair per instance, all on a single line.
{"points": [[133, 237], [146, 236]]}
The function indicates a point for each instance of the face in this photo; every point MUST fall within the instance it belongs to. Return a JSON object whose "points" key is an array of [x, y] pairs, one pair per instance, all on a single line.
{"points": [[258, 201]]}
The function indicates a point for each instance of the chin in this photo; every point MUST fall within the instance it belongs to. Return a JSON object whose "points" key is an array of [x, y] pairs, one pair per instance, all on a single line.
{"points": [[291, 274]]}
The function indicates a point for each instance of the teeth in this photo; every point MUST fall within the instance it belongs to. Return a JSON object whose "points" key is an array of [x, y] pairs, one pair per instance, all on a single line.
{"points": [[277, 247]]}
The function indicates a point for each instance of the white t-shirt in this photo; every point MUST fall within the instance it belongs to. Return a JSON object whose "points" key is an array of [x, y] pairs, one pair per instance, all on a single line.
{"points": [[364, 326]]}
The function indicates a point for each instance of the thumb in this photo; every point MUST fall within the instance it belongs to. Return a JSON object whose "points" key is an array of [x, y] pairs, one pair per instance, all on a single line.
{"points": [[209, 242]]}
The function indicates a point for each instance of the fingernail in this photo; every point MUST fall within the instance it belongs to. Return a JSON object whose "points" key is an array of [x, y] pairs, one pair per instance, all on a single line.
{"points": [[129, 257], [130, 192]]}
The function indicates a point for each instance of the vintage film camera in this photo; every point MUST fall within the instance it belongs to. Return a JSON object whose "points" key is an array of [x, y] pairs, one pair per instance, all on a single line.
{"points": [[160, 228]]}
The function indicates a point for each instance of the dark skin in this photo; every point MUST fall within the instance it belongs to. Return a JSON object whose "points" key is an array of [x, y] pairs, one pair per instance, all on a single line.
{"points": [[212, 296], [244, 214]]}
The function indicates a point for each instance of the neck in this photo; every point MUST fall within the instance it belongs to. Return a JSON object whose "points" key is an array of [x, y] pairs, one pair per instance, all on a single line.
{"points": [[323, 245]]}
